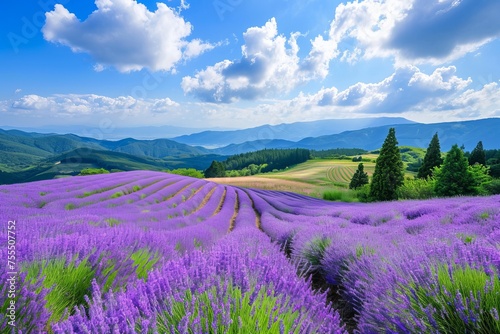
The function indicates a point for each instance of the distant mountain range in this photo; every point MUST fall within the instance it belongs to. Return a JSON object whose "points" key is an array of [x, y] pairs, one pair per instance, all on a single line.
{"points": [[20, 150], [467, 133], [116, 133], [290, 132], [35, 156]]}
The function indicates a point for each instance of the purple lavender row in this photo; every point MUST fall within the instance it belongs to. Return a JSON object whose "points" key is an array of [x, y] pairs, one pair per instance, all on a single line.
{"points": [[354, 254], [211, 229], [209, 209], [246, 214], [84, 184], [196, 197], [119, 197], [186, 199], [296, 205], [125, 194], [182, 214], [80, 197], [244, 261], [146, 197], [77, 236], [167, 196]]}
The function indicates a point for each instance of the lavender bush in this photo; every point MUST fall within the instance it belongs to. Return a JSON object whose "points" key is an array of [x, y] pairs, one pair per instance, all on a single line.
{"points": [[153, 252]]}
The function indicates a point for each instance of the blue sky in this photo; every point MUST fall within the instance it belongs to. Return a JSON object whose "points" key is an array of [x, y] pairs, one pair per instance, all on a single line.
{"points": [[240, 63]]}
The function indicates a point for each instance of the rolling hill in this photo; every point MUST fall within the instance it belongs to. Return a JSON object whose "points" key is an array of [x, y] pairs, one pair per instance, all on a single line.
{"points": [[72, 162], [289, 132], [20, 150], [467, 133], [31, 154]]}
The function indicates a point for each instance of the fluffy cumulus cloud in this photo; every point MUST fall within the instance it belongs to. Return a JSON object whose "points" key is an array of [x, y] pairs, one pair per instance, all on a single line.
{"points": [[126, 35], [408, 92], [406, 89], [269, 64], [89, 104], [432, 31], [437, 96]]}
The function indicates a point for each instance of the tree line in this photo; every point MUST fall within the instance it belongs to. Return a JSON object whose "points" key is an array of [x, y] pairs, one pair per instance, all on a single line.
{"points": [[455, 174], [261, 161]]}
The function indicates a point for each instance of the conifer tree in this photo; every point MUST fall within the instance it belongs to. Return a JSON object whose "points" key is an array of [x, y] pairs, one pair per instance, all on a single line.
{"points": [[454, 177], [478, 155], [359, 179], [216, 169], [432, 158], [388, 175]]}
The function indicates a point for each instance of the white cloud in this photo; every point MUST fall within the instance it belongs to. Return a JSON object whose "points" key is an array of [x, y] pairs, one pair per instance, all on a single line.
{"points": [[421, 31], [89, 104], [269, 65], [439, 96], [408, 92], [126, 35], [484, 102], [406, 89], [436, 97]]}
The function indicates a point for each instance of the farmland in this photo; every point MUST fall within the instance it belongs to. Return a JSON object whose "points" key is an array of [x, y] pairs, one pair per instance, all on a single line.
{"points": [[187, 255], [309, 178]]}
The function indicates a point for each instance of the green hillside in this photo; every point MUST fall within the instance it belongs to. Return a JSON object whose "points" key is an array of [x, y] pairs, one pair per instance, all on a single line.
{"points": [[22, 152], [73, 162]]}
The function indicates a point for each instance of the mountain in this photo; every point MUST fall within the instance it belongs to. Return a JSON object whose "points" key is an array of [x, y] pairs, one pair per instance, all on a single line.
{"points": [[22, 149], [290, 132], [41, 156], [71, 163], [115, 133], [256, 145], [158, 148], [467, 133], [47, 144]]}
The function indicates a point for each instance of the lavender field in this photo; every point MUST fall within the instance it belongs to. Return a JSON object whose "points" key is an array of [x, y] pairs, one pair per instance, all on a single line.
{"points": [[150, 252]]}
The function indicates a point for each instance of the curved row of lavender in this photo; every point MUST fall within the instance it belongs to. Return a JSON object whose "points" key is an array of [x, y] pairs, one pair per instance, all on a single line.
{"points": [[153, 252]]}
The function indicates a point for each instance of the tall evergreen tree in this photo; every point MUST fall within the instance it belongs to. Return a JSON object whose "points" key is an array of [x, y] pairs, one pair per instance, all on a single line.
{"points": [[360, 178], [216, 169], [432, 158], [454, 177], [478, 155], [388, 175]]}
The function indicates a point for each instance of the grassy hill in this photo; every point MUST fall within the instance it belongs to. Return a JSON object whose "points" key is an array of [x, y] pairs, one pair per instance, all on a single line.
{"points": [[310, 178], [316, 176], [28, 157], [71, 163], [20, 150]]}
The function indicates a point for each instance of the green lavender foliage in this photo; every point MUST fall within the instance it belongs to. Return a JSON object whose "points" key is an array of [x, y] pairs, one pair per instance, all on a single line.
{"points": [[265, 314], [68, 282], [462, 300]]}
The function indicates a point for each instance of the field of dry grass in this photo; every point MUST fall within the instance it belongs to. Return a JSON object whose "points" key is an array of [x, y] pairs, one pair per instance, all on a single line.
{"points": [[309, 178], [268, 183]]}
